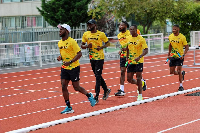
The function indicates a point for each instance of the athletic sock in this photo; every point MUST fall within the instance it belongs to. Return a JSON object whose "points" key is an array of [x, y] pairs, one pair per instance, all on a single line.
{"points": [[67, 103], [140, 95], [88, 95], [122, 87], [181, 84]]}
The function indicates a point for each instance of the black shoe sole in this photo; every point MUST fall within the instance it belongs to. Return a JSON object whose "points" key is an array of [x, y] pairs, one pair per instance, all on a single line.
{"points": [[107, 95]]}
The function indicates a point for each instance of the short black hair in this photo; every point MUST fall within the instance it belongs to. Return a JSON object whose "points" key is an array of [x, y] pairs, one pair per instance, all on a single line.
{"points": [[134, 25], [126, 23], [176, 26], [91, 21]]}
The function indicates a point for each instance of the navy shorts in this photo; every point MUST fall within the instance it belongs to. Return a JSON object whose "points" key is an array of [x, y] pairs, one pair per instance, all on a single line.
{"points": [[176, 62], [122, 62], [72, 75], [135, 68]]}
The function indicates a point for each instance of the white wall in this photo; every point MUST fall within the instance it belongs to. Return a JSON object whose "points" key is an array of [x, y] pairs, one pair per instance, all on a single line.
{"points": [[19, 8]]}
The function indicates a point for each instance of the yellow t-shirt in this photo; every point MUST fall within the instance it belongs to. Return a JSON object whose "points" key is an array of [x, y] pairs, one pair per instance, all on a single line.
{"points": [[177, 43], [136, 45], [68, 50], [96, 40], [122, 37]]}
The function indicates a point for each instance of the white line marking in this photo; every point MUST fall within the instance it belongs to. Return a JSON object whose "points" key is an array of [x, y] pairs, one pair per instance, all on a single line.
{"points": [[178, 126], [95, 113]]}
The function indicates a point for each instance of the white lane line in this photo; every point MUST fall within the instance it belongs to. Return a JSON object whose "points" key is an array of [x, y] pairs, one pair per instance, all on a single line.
{"points": [[99, 112], [104, 79], [178, 126]]}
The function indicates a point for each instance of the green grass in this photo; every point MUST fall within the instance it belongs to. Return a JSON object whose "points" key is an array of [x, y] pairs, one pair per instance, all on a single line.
{"points": [[166, 45], [112, 49]]}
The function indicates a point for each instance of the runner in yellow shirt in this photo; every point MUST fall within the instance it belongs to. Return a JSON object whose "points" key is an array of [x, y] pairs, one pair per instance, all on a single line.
{"points": [[70, 54], [136, 49], [176, 54], [122, 37], [94, 39]]}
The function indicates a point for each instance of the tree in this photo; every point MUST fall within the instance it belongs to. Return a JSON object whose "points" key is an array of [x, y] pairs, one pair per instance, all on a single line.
{"points": [[105, 21], [144, 11], [188, 21], [72, 12]]}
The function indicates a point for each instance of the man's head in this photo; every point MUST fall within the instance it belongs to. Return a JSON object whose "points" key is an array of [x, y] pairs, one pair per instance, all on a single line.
{"points": [[123, 26], [91, 25], [64, 30], [175, 29], [133, 30]]}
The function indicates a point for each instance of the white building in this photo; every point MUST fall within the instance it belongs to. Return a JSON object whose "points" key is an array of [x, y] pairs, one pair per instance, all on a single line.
{"points": [[21, 14]]}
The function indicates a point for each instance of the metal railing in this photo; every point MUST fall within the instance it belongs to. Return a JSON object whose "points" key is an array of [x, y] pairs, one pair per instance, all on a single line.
{"points": [[46, 52], [37, 34]]}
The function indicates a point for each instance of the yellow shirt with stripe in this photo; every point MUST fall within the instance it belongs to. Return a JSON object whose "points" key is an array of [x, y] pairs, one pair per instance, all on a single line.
{"points": [[122, 37], [68, 50], [177, 43], [136, 45], [96, 40]]}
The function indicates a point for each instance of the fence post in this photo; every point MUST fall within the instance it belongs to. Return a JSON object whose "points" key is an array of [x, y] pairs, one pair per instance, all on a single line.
{"points": [[162, 47], [193, 38], [40, 53], [149, 43]]}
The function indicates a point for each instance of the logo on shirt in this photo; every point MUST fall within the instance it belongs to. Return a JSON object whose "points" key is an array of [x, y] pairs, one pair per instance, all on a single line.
{"points": [[175, 41], [93, 38], [63, 47], [133, 43]]}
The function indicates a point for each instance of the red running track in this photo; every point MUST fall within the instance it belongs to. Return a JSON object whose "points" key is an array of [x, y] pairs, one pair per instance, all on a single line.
{"points": [[33, 97]]}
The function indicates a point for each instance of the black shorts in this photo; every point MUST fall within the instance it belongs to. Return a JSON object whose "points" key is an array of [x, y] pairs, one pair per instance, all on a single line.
{"points": [[175, 62], [97, 66], [122, 62], [72, 75], [135, 68]]}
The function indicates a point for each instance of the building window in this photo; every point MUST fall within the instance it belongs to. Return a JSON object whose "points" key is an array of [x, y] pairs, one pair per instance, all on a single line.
{"points": [[7, 1], [9, 22], [18, 21], [34, 21], [32, 0]]}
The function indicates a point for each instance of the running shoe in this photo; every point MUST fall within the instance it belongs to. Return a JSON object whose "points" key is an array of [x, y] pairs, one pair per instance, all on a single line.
{"points": [[181, 88], [120, 93], [92, 100], [183, 74], [67, 110], [97, 99], [144, 86], [106, 94], [139, 98]]}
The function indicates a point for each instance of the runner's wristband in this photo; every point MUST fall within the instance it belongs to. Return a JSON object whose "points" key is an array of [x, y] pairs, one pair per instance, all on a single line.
{"points": [[140, 56], [70, 61]]}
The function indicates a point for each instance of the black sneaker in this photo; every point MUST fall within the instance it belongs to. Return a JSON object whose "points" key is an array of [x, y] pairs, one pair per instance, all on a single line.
{"points": [[144, 87], [106, 94], [181, 88], [183, 74], [97, 99], [120, 93]]}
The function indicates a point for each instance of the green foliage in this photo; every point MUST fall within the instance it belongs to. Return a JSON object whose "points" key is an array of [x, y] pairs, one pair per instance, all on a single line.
{"points": [[72, 12], [144, 11], [96, 12], [188, 21]]}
